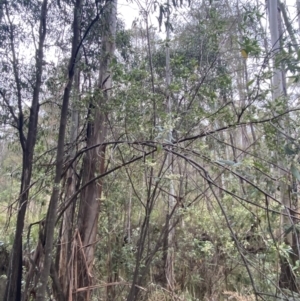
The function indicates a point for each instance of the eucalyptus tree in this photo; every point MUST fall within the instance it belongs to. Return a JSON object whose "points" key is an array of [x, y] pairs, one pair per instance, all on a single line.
{"points": [[212, 97], [94, 161], [15, 93], [280, 93], [67, 224], [53, 205], [218, 100], [170, 257], [164, 123], [156, 141], [84, 79]]}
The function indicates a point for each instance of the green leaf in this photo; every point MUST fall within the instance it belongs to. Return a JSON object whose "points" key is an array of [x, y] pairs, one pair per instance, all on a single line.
{"points": [[289, 150], [250, 82], [159, 148], [244, 53], [226, 162], [295, 172], [294, 78]]}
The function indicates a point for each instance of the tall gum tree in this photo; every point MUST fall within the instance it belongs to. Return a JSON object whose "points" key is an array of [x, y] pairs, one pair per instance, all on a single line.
{"points": [[52, 209], [287, 278], [169, 264], [94, 161], [14, 277], [64, 249]]}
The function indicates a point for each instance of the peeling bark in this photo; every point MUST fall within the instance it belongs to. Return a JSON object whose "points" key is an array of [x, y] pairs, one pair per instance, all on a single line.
{"points": [[94, 161]]}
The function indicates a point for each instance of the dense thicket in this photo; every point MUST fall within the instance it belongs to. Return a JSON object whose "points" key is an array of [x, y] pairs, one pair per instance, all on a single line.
{"points": [[153, 163]]}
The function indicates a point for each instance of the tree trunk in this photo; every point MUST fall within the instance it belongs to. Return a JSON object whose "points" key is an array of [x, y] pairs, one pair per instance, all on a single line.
{"points": [[94, 161], [287, 278], [298, 13], [51, 214], [64, 268], [169, 264], [14, 277], [288, 25]]}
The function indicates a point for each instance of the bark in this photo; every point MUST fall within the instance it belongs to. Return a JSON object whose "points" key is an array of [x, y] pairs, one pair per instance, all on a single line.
{"points": [[14, 277], [128, 218], [137, 276], [95, 158], [114, 245], [56, 284], [65, 269], [287, 277], [169, 264], [1, 9], [34, 259], [288, 25], [51, 214], [298, 13]]}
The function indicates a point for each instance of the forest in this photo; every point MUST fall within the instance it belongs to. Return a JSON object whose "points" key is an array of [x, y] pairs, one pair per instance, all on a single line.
{"points": [[153, 162]]}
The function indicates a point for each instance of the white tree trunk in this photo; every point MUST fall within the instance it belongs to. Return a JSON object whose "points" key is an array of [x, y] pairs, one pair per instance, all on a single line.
{"points": [[287, 278], [169, 268]]}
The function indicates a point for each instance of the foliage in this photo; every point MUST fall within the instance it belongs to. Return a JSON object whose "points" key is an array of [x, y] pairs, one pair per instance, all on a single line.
{"points": [[225, 134]]}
